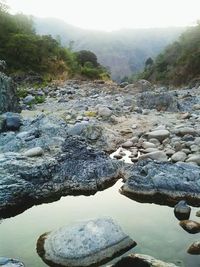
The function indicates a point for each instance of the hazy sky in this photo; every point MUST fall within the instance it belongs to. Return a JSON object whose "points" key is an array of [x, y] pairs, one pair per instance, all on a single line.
{"points": [[113, 14]]}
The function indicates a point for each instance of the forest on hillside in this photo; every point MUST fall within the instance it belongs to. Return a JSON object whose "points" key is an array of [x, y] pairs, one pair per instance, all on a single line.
{"points": [[25, 51], [179, 63]]}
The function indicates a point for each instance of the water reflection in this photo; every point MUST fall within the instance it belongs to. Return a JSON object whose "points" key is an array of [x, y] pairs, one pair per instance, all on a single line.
{"points": [[153, 227]]}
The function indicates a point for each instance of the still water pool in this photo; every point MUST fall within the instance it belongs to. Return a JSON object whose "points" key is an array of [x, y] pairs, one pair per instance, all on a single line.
{"points": [[153, 227]]}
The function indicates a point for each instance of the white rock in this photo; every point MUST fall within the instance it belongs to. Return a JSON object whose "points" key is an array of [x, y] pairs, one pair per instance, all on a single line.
{"points": [[156, 155], [194, 158], [179, 156], [34, 152], [159, 134], [89, 243], [148, 145]]}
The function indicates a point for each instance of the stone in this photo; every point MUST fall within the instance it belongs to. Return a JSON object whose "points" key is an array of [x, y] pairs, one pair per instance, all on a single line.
{"points": [[9, 102], [185, 131], [104, 112], [127, 144], [198, 213], [34, 152], [140, 260], [148, 145], [156, 155], [164, 101], [182, 210], [159, 134], [12, 122], [29, 99], [162, 182], [90, 243], [169, 152], [194, 249], [7, 262], [194, 158], [179, 156], [191, 227]]}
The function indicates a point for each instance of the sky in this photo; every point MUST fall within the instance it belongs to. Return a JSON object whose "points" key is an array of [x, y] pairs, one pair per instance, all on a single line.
{"points": [[109, 15]]}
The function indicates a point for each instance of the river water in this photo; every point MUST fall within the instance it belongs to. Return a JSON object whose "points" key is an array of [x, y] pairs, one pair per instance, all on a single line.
{"points": [[153, 227]]}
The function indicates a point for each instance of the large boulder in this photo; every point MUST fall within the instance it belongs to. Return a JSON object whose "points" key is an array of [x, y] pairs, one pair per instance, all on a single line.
{"points": [[162, 182], [161, 101], [77, 169], [139, 260], [90, 243], [8, 97]]}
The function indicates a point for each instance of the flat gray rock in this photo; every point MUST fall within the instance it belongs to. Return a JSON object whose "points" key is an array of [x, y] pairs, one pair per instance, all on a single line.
{"points": [[162, 182], [90, 243]]}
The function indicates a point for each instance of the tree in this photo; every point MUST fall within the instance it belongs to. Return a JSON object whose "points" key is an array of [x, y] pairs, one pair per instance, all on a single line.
{"points": [[84, 56]]}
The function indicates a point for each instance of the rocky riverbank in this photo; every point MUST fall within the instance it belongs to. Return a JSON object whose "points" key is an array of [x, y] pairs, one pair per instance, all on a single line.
{"points": [[62, 146]]}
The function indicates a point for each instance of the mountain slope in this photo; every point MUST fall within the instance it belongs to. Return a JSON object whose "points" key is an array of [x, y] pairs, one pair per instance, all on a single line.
{"points": [[179, 63], [123, 52]]}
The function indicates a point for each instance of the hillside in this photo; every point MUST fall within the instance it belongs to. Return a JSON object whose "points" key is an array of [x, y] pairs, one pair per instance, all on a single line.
{"points": [[123, 52], [25, 52], [179, 63]]}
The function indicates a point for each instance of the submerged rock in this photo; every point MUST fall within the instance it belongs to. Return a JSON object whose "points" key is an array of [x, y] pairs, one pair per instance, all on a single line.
{"points": [[191, 227], [194, 249], [182, 210], [139, 260], [90, 243], [7, 262], [162, 182], [78, 169]]}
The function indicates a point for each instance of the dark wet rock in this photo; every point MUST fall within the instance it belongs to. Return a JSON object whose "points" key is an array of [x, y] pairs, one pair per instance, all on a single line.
{"points": [[12, 122], [7, 262], [191, 227], [139, 260], [78, 169], [8, 96], [162, 182], [90, 243], [182, 210], [162, 101], [194, 249]]}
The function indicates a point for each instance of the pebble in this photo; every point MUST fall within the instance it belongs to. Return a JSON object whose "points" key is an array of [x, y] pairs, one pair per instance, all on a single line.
{"points": [[34, 152], [179, 156]]}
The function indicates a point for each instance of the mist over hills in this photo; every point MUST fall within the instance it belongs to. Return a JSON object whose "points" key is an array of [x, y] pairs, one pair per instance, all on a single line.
{"points": [[124, 52]]}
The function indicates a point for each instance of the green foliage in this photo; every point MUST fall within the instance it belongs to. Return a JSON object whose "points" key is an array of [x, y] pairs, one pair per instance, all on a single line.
{"points": [[180, 62], [24, 51]]}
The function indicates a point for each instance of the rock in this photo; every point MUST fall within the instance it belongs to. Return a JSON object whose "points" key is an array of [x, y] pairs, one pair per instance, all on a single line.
{"points": [[194, 249], [104, 112], [127, 144], [164, 101], [182, 210], [191, 227], [12, 122], [194, 158], [9, 101], [78, 169], [139, 260], [156, 155], [198, 213], [162, 182], [139, 86], [29, 99], [6, 262], [185, 131], [2, 123], [159, 134], [179, 156], [34, 152], [90, 243], [148, 145], [169, 152]]}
